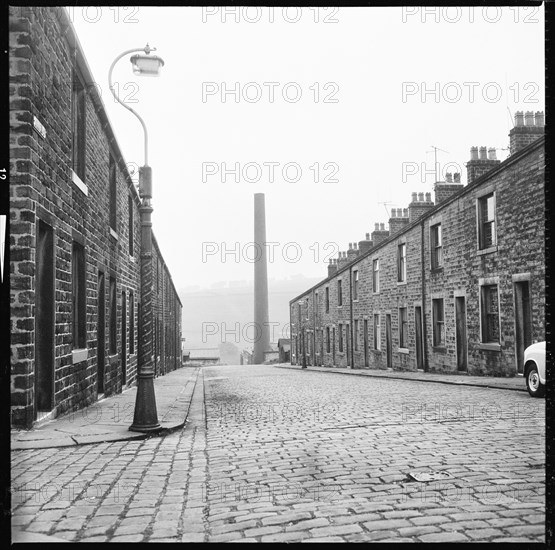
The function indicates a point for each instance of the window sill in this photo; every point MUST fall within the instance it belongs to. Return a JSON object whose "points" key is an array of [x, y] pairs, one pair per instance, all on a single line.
{"points": [[436, 270], [132, 258], [79, 183], [376, 293], [376, 351], [489, 347], [114, 234], [401, 283], [79, 355], [403, 350], [487, 250], [439, 349]]}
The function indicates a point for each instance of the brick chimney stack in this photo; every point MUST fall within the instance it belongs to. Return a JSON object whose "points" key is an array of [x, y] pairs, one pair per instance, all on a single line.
{"points": [[366, 245], [478, 166], [444, 189], [398, 220], [352, 253], [342, 260], [332, 268], [528, 128], [379, 234], [419, 206]]}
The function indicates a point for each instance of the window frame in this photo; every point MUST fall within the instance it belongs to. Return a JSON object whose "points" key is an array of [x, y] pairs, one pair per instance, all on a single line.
{"points": [[339, 292], [340, 343], [377, 330], [78, 125], [355, 284], [113, 192], [403, 327], [438, 325], [436, 246], [376, 276], [485, 315], [402, 262], [481, 222]]}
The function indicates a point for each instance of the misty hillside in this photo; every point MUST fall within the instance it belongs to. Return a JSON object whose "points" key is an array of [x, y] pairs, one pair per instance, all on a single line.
{"points": [[225, 312]]}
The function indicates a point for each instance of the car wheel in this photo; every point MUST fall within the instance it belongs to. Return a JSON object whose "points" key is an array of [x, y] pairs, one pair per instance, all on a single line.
{"points": [[533, 384]]}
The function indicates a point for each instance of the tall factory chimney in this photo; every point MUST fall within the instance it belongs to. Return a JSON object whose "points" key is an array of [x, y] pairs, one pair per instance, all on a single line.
{"points": [[261, 319]]}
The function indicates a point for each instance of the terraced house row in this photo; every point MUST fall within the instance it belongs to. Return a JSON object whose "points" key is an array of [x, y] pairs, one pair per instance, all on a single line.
{"points": [[75, 234], [452, 285]]}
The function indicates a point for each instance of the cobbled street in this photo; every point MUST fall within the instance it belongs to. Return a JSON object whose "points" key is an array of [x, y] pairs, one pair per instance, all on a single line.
{"points": [[272, 454]]}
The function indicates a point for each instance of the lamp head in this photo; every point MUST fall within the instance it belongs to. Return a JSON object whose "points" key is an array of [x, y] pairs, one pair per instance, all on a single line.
{"points": [[147, 65]]}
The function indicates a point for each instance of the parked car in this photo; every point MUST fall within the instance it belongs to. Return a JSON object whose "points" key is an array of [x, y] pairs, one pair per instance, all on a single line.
{"points": [[534, 369]]}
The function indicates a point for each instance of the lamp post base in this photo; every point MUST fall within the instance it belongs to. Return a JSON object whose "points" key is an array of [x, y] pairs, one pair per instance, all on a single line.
{"points": [[146, 416]]}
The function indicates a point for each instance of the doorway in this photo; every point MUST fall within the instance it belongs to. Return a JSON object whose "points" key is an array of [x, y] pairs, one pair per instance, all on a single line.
{"points": [[418, 335], [123, 340], [388, 341], [366, 362], [523, 324], [44, 320], [101, 333], [460, 328]]}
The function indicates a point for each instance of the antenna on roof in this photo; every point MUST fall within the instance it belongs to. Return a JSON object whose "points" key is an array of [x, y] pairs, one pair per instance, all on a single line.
{"points": [[436, 149]]}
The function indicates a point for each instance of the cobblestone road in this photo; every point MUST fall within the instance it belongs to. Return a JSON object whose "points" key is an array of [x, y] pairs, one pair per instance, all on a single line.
{"points": [[284, 455]]}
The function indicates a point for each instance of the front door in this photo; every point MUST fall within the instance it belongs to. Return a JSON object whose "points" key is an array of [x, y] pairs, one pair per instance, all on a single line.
{"points": [[460, 328], [123, 339], [44, 319], [418, 335], [388, 341], [101, 332], [523, 325], [366, 362]]}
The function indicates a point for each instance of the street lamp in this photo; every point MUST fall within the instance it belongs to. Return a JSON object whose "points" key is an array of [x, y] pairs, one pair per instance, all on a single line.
{"points": [[145, 418]]}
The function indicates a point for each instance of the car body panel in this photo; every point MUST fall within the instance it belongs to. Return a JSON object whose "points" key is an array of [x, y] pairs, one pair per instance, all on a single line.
{"points": [[536, 354]]}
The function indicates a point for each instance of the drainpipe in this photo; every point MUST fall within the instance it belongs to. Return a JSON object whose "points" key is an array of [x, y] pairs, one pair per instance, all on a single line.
{"points": [[351, 314], [423, 283]]}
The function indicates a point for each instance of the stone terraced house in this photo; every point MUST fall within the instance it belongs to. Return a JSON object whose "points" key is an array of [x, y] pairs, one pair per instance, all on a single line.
{"points": [[75, 234], [454, 285]]}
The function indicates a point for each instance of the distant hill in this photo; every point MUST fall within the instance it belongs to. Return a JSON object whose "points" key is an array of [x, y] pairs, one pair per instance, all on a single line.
{"points": [[225, 312]]}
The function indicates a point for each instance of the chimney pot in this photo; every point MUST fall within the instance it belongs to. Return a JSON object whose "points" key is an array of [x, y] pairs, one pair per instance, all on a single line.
{"points": [[405, 212], [367, 236], [529, 118], [350, 246], [483, 153], [354, 246], [540, 118], [519, 118], [393, 213], [457, 177], [449, 177], [428, 197], [376, 227], [414, 197], [382, 227], [474, 153], [420, 197], [492, 153]]}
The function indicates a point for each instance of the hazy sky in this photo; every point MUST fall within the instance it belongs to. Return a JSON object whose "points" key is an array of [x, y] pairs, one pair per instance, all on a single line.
{"points": [[359, 97]]}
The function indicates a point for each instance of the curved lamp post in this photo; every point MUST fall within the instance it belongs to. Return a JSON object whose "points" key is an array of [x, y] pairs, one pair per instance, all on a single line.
{"points": [[145, 418]]}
